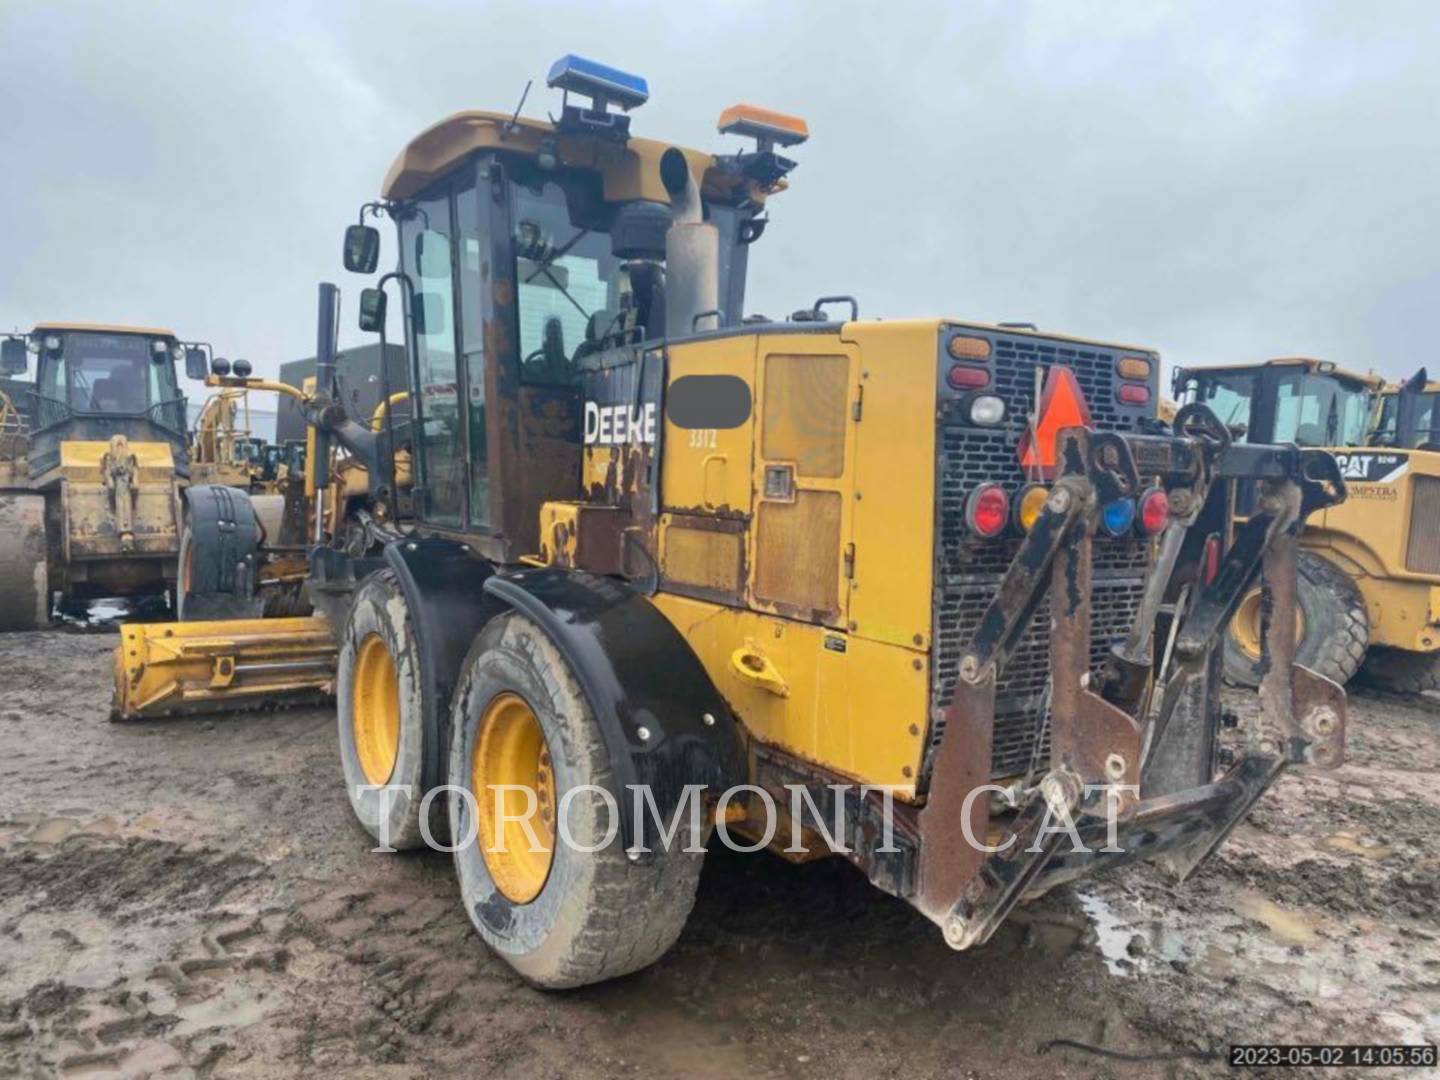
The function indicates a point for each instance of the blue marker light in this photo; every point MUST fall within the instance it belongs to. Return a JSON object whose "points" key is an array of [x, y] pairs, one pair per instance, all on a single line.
{"points": [[1118, 517], [598, 81]]}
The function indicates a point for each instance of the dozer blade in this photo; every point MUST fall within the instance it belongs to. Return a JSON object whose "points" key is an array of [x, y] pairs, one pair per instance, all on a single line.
{"points": [[24, 588], [175, 669]]}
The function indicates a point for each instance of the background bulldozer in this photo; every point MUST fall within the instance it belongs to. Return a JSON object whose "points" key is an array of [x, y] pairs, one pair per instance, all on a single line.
{"points": [[1369, 589], [90, 484]]}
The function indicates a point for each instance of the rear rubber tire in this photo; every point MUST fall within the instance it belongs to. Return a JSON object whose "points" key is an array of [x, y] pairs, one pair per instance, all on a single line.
{"points": [[1401, 671], [598, 915], [1337, 626], [192, 606], [379, 609]]}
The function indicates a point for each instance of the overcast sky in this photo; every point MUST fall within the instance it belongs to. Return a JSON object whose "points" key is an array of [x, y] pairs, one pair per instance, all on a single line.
{"points": [[1219, 180]]}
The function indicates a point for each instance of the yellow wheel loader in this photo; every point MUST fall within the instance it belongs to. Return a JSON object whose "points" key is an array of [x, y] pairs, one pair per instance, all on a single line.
{"points": [[920, 587], [1369, 589], [90, 489]]}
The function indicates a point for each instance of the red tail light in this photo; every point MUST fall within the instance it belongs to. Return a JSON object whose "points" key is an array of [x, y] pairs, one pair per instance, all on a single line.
{"points": [[1210, 564], [961, 377], [1133, 394], [1154, 511], [987, 511]]}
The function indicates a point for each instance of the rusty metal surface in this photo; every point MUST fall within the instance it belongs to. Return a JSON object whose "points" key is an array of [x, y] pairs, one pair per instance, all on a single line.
{"points": [[1319, 712], [1277, 629], [1006, 875], [962, 764], [1095, 742], [1089, 737]]}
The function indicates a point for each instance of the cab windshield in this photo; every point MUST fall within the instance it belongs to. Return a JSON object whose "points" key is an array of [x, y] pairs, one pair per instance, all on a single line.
{"points": [[1320, 410], [111, 374], [1229, 395], [1285, 405]]}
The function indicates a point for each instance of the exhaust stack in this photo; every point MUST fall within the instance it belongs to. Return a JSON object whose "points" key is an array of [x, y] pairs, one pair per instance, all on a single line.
{"points": [[692, 254]]}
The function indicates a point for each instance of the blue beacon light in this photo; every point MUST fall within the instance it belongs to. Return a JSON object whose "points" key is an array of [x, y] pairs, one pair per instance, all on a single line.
{"points": [[599, 82]]}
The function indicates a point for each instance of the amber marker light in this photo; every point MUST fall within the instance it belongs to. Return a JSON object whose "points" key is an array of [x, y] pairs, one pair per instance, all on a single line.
{"points": [[1133, 367], [1029, 504], [968, 348]]}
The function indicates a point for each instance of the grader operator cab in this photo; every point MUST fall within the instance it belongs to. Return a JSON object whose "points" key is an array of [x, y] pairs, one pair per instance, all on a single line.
{"points": [[944, 581], [90, 488], [1369, 587]]}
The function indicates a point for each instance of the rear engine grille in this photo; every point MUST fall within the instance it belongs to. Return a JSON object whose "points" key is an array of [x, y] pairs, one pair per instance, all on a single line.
{"points": [[968, 572], [1119, 575], [1015, 361], [1422, 550]]}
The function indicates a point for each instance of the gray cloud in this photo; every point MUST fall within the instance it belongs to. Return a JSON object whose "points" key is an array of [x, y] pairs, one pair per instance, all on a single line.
{"points": [[1220, 180]]}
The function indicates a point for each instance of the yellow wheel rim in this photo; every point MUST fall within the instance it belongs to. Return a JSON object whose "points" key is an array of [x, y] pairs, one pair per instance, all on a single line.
{"points": [[376, 705], [511, 772], [1245, 627]]}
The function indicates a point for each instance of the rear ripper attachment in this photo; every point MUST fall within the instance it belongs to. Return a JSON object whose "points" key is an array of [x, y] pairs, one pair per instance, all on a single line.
{"points": [[1114, 752]]}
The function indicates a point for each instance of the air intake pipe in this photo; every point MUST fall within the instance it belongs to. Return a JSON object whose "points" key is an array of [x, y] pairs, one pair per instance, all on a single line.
{"points": [[692, 253]]}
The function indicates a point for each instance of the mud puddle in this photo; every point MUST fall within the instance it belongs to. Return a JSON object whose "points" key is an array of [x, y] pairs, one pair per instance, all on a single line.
{"points": [[192, 898]]}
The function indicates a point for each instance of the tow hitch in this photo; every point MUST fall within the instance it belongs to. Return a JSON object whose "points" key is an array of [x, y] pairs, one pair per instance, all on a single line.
{"points": [[1107, 735]]}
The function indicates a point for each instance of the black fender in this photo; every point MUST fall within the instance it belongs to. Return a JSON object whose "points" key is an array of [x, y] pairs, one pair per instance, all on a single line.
{"points": [[663, 722], [224, 555], [443, 582]]}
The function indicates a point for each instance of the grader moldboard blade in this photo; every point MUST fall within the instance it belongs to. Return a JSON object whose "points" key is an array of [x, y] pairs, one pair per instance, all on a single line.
{"points": [[179, 669]]}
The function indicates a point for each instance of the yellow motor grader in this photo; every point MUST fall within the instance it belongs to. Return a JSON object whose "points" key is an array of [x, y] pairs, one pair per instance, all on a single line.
{"points": [[91, 481], [935, 583], [224, 449], [1369, 586]]}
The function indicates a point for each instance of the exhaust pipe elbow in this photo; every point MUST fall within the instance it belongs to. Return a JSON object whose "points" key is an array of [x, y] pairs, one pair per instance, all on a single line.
{"points": [[692, 252], [680, 184]]}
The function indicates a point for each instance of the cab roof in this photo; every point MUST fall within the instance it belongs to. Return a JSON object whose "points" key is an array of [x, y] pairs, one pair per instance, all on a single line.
{"points": [[1431, 387], [1309, 363], [104, 328], [629, 170]]}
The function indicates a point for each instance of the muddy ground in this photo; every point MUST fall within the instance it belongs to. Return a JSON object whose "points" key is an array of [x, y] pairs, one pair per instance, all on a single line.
{"points": [[191, 897]]}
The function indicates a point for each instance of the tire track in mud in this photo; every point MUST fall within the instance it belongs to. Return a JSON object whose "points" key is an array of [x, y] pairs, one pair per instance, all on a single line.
{"points": [[191, 898]]}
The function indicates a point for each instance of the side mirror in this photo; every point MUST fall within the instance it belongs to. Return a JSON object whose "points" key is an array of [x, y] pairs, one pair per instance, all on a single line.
{"points": [[429, 313], [372, 310], [13, 356], [196, 366], [362, 248]]}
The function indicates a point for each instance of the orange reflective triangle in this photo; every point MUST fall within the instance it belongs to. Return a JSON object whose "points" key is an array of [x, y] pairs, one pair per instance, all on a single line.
{"points": [[1062, 406]]}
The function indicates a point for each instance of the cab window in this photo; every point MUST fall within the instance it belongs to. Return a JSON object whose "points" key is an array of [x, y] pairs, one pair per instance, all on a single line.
{"points": [[1319, 410], [1229, 396], [427, 254], [105, 373], [567, 286]]}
